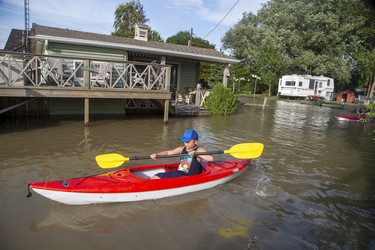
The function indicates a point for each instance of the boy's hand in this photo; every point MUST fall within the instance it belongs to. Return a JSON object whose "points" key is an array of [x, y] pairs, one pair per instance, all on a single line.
{"points": [[153, 156]]}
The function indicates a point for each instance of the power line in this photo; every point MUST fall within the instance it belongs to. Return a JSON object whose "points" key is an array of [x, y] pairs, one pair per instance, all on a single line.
{"points": [[222, 19]]}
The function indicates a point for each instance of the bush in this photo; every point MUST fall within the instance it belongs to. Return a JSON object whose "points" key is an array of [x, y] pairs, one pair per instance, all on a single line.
{"points": [[221, 101]]}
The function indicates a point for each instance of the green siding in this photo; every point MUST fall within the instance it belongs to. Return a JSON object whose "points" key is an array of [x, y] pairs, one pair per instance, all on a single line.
{"points": [[189, 75], [78, 51]]}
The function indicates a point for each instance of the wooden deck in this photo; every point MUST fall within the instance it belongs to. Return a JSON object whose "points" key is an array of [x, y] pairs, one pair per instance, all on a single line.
{"points": [[182, 109], [46, 76], [32, 75], [55, 92]]}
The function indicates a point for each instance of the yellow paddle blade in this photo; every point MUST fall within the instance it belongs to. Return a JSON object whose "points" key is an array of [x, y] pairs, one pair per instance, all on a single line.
{"points": [[246, 150], [110, 160]]}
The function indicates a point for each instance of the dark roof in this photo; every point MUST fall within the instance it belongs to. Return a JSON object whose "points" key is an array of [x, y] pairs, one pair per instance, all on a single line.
{"points": [[152, 47], [14, 42]]}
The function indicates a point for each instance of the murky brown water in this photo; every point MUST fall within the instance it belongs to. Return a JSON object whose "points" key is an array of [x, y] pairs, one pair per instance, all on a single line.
{"points": [[313, 187]]}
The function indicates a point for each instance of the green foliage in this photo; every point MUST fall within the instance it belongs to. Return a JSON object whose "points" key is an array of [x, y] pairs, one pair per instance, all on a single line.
{"points": [[307, 37], [210, 74], [154, 36], [183, 38], [371, 110], [129, 14], [269, 65], [221, 101], [371, 114], [126, 16]]}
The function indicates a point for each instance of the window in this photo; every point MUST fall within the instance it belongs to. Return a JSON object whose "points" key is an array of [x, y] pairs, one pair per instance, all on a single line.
{"points": [[320, 84], [290, 83], [328, 82], [143, 34], [300, 84], [95, 66], [79, 72]]}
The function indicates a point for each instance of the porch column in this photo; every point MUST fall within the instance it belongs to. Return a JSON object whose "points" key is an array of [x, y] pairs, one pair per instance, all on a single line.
{"points": [[162, 60], [226, 74]]}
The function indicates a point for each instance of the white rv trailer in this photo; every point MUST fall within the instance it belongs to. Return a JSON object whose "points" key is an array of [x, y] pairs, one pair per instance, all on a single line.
{"points": [[306, 86]]}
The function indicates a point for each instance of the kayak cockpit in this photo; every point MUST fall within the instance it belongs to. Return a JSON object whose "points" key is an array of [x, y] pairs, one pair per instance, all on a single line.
{"points": [[145, 173]]}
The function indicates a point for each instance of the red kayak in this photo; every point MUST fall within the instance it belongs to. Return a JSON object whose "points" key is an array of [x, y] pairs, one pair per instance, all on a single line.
{"points": [[352, 118], [134, 184]]}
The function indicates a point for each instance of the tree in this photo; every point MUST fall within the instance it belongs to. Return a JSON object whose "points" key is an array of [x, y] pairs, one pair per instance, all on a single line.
{"points": [[183, 37], [314, 37], [221, 101], [129, 14], [126, 16], [269, 65], [154, 36], [364, 52]]}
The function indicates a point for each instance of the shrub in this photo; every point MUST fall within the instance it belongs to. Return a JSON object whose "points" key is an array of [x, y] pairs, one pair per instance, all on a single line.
{"points": [[221, 101]]}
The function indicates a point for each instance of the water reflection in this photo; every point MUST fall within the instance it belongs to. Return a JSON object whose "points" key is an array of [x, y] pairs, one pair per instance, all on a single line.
{"points": [[85, 143], [312, 188]]}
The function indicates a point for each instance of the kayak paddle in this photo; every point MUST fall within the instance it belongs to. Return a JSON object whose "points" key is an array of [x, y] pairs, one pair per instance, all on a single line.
{"points": [[240, 151]]}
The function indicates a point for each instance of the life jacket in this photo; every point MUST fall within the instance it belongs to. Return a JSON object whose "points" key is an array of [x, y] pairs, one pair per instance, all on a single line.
{"points": [[188, 164]]}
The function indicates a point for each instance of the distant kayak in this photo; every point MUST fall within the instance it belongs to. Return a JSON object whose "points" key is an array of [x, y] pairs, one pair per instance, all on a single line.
{"points": [[352, 118], [332, 105]]}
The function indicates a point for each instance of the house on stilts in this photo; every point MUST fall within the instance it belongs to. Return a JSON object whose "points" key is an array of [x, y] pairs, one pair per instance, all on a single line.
{"points": [[81, 72]]}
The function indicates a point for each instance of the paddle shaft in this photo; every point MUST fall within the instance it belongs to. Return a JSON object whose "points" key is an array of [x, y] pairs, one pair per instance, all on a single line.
{"points": [[239, 151], [175, 155]]}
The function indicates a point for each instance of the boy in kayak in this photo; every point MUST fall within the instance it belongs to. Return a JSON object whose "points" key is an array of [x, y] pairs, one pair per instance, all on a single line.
{"points": [[362, 113], [190, 164]]}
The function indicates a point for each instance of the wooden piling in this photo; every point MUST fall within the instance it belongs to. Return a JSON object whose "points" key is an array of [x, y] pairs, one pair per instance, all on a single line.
{"points": [[166, 110], [87, 111], [264, 103]]}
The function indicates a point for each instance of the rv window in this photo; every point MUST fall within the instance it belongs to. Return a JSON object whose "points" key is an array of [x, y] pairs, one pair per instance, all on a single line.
{"points": [[328, 82], [300, 84], [311, 84], [290, 83]]}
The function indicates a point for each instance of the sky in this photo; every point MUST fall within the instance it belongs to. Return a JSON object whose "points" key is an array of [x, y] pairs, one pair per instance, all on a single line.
{"points": [[167, 17]]}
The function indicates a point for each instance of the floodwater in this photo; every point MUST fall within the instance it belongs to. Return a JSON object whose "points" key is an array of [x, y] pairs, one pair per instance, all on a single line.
{"points": [[312, 188]]}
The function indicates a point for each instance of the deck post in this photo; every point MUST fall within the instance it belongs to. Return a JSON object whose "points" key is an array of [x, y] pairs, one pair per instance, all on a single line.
{"points": [[226, 74], [198, 95], [86, 80], [166, 110], [87, 111]]}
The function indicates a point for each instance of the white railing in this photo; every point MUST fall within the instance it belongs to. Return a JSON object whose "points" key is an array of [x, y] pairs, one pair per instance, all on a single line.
{"points": [[196, 97], [21, 69]]}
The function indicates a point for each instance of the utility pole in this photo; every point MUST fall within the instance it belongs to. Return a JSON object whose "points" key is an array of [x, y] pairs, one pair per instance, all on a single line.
{"points": [[190, 42], [256, 78], [27, 27]]}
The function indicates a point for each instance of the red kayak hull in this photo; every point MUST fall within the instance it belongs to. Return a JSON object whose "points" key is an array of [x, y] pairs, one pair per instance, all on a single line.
{"points": [[347, 118], [352, 118], [133, 184]]}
